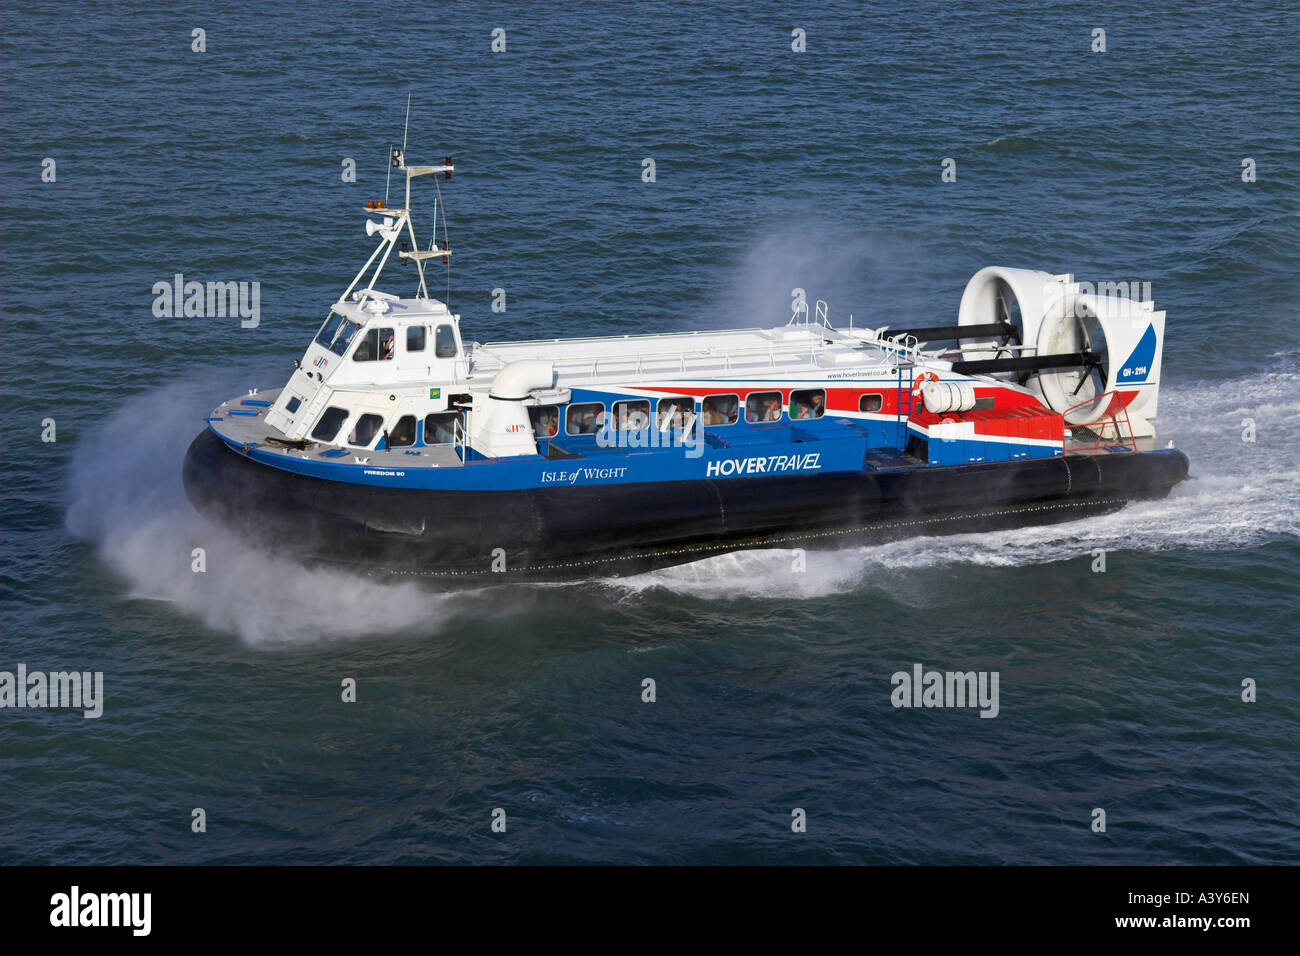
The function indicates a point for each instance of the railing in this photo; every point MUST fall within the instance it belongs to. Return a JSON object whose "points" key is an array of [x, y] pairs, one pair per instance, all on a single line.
{"points": [[902, 351], [460, 438], [1099, 426], [823, 314], [728, 358]]}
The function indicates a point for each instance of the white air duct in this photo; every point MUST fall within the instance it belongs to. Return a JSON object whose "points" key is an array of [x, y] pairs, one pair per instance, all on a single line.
{"points": [[517, 379], [500, 426]]}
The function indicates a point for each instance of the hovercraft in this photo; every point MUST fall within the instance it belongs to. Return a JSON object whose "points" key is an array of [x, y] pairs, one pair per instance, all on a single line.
{"points": [[397, 446]]}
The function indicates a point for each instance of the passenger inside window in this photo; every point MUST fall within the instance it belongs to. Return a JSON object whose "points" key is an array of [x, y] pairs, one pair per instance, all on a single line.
{"points": [[585, 419], [871, 402], [632, 416], [675, 412], [763, 407], [545, 420], [720, 410], [376, 342], [403, 432], [366, 429], [807, 404]]}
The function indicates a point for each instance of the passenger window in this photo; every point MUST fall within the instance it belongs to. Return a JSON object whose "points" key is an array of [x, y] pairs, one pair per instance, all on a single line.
{"points": [[871, 402], [763, 407], [444, 342], [366, 429], [632, 415], [328, 427], [720, 410], [808, 403], [545, 419], [292, 404], [440, 428], [585, 419], [415, 338], [675, 412], [403, 433]]}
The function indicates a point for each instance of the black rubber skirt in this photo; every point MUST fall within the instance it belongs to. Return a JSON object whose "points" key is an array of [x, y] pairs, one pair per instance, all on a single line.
{"points": [[567, 532]]}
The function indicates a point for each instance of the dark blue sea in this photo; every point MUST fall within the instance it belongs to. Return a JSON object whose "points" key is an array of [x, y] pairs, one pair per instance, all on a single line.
{"points": [[821, 170]]}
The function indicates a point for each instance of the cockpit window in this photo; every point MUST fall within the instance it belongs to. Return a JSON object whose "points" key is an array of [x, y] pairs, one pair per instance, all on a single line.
{"points": [[337, 333], [444, 342], [375, 344]]}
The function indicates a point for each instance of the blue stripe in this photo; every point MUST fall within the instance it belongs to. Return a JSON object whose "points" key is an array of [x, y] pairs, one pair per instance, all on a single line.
{"points": [[610, 466]]}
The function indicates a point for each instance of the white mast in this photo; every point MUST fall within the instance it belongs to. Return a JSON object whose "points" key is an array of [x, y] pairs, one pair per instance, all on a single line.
{"points": [[392, 222]]}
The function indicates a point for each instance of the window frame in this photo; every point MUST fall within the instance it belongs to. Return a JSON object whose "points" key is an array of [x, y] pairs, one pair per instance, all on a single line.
{"points": [[378, 332], [533, 423], [342, 421], [734, 421], [862, 399], [334, 345], [569, 409], [613, 414], [688, 402], [376, 434], [453, 415], [414, 430], [438, 348], [806, 391], [767, 394]]}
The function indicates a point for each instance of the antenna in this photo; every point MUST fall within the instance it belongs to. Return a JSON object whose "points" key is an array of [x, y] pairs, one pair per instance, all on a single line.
{"points": [[389, 178], [446, 242], [407, 125]]}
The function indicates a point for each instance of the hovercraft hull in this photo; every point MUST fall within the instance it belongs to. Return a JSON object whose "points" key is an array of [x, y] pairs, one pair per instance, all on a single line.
{"points": [[579, 531]]}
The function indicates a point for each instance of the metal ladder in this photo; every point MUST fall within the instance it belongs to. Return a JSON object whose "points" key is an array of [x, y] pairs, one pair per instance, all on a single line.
{"points": [[905, 401]]}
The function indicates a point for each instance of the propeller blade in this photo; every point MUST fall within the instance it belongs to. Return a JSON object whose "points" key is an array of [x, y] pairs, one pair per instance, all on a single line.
{"points": [[1094, 365]]}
